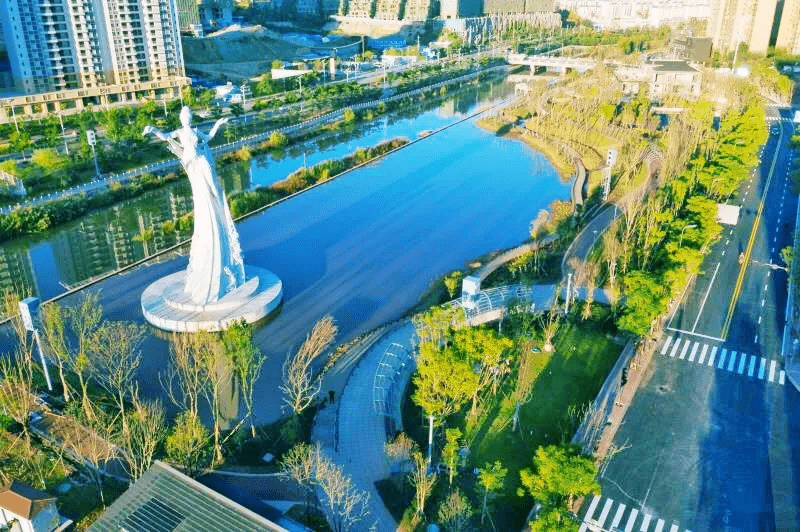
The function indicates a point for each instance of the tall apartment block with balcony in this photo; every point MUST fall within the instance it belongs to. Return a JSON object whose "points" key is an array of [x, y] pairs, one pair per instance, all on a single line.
{"points": [[67, 54]]}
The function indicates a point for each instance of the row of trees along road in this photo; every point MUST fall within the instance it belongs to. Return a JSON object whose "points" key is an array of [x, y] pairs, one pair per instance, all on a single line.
{"points": [[658, 243]]}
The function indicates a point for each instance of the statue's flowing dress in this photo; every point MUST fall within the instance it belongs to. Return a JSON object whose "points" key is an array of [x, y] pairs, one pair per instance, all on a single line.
{"points": [[215, 259]]}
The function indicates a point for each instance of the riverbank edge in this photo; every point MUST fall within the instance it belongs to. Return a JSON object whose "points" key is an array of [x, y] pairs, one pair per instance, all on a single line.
{"points": [[563, 168]]}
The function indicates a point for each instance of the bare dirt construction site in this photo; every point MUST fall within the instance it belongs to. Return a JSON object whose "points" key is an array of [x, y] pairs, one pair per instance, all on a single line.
{"points": [[236, 52]]}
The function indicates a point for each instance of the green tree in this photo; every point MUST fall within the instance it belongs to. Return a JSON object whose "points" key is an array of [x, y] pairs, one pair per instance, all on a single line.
{"points": [[646, 298], [444, 381], [490, 479], [246, 360], [450, 452], [348, 116], [560, 474], [452, 281], [553, 519], [189, 444]]}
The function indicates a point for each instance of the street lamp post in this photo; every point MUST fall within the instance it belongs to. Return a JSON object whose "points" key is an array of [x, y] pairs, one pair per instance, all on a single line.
{"points": [[91, 138], [63, 134], [685, 227]]}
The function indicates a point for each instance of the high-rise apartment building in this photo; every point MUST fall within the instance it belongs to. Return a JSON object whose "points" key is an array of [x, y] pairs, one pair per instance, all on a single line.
{"points": [[789, 30], [620, 14], [78, 52], [742, 21]]}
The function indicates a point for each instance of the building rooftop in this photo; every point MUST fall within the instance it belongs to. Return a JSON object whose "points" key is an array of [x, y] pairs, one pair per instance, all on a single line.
{"points": [[673, 66], [166, 500], [24, 500]]}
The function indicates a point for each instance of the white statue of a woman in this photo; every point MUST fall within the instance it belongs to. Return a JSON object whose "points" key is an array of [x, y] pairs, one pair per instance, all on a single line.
{"points": [[215, 259]]}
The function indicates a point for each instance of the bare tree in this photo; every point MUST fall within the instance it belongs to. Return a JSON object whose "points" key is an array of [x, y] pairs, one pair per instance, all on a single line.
{"points": [[146, 430], [299, 384], [344, 504], [84, 321], [592, 270], [186, 372], [611, 253], [115, 355], [16, 391], [422, 481], [55, 336], [455, 512], [399, 451], [550, 323], [527, 373], [300, 465], [88, 447]]}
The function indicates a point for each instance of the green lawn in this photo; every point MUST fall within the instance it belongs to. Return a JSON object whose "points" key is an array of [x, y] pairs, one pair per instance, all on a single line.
{"points": [[570, 379]]}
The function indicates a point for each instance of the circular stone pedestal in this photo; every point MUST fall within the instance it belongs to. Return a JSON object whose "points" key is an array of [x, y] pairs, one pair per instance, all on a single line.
{"points": [[168, 307]]}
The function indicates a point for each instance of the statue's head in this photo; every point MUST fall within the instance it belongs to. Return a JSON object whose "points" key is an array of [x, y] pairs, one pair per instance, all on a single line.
{"points": [[186, 116]]}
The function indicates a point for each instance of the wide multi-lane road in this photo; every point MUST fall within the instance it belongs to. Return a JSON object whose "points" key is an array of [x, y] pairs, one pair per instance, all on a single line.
{"points": [[710, 439]]}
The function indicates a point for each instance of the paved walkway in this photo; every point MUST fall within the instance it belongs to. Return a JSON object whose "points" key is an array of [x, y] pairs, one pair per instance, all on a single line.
{"points": [[353, 435]]}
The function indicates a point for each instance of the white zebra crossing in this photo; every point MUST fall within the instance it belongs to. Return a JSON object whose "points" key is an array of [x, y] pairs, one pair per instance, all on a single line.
{"points": [[636, 521], [736, 362]]}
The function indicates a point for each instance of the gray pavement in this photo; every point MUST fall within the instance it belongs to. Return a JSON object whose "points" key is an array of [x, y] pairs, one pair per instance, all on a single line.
{"points": [[362, 433], [710, 438]]}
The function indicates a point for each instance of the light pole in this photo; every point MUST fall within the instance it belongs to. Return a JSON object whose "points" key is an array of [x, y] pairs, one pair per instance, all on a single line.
{"points": [[685, 227], [63, 134], [91, 138], [569, 288], [29, 311]]}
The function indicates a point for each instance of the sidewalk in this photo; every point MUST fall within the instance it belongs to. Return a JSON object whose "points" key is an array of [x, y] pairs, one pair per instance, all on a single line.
{"points": [[350, 431]]}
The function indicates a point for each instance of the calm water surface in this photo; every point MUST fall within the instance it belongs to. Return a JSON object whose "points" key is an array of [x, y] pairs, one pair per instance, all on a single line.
{"points": [[363, 247]]}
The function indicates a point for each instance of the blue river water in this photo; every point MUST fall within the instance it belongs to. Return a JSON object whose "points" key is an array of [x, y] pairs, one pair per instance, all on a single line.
{"points": [[363, 247]]}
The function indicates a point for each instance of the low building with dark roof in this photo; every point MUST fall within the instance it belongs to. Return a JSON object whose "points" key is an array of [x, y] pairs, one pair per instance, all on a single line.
{"points": [[25, 509], [660, 78], [166, 500]]}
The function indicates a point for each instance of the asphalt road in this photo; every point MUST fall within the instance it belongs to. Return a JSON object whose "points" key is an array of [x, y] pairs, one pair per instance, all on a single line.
{"points": [[711, 445]]}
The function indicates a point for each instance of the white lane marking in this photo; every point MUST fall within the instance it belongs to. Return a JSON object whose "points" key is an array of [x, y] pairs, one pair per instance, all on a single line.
{"points": [[765, 287], [781, 377], [759, 320], [764, 300], [666, 345], [685, 348], [694, 352], [755, 340], [723, 252], [660, 525], [590, 512], [705, 297], [761, 368], [712, 355], [742, 362], [604, 514], [722, 358], [732, 361], [703, 354], [618, 516], [675, 347], [751, 368], [673, 528], [771, 371], [646, 522], [631, 520]]}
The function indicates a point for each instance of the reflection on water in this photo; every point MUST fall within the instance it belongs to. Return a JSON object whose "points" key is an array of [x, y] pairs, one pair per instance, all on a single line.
{"points": [[104, 241]]}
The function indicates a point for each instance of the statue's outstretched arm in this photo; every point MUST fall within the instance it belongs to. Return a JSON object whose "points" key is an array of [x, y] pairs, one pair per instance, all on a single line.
{"points": [[216, 126], [174, 146]]}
